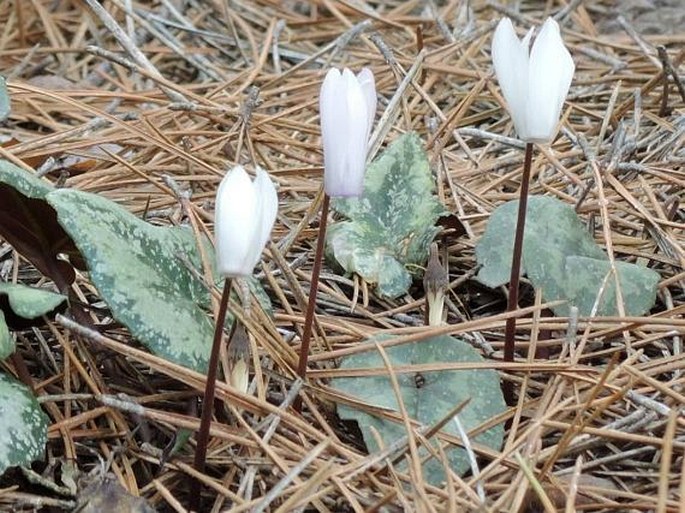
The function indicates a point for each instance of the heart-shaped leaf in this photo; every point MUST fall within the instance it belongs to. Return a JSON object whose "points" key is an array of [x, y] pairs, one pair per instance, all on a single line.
{"points": [[23, 425], [562, 259], [427, 396], [30, 225], [391, 226], [139, 271]]}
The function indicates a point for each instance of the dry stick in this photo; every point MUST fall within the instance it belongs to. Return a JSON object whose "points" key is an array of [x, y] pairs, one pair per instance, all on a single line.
{"points": [[208, 400], [280, 487], [134, 52], [668, 68], [512, 303], [309, 315], [665, 467]]}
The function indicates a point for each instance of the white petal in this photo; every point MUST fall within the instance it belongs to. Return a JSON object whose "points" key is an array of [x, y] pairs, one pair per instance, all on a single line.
{"points": [[332, 115], [510, 60], [267, 208], [550, 74], [368, 84], [235, 222], [356, 141]]}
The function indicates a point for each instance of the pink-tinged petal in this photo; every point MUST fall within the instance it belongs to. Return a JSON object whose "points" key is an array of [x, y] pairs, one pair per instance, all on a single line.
{"points": [[550, 75], [510, 60], [235, 222]]}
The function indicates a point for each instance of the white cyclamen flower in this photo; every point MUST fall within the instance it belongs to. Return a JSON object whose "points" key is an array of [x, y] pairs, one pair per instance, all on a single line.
{"points": [[347, 105], [244, 215], [534, 81]]}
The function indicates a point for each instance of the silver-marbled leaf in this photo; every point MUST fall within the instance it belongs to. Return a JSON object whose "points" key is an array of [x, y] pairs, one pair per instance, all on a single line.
{"points": [[392, 224], [30, 302], [20, 306], [638, 286], [23, 425], [4, 100], [6, 342], [138, 270]]}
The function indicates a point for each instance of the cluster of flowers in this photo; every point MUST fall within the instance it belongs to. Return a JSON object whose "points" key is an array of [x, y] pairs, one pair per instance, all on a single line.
{"points": [[534, 80]]}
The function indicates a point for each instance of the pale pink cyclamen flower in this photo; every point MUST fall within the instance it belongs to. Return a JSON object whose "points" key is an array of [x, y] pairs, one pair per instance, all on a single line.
{"points": [[347, 106]]}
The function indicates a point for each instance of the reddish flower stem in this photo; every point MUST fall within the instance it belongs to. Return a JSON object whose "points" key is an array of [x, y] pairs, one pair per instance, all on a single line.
{"points": [[313, 290], [208, 400], [512, 304]]}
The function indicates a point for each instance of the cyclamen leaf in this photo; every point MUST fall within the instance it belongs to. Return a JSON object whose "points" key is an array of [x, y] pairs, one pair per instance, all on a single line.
{"points": [[562, 259], [23, 425], [428, 397], [638, 286], [30, 225], [138, 270], [23, 305], [391, 226], [6, 343], [4, 100], [20, 306]]}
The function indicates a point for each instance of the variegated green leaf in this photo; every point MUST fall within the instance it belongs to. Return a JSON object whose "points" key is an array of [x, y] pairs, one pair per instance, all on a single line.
{"points": [[4, 100], [139, 270], [20, 306], [30, 302], [23, 425], [391, 226], [6, 342], [586, 275]]}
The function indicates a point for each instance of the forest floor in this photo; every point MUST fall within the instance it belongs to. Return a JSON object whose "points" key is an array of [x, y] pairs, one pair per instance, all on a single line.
{"points": [[203, 85]]}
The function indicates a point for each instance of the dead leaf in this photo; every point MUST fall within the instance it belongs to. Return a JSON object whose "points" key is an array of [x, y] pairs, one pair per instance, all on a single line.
{"points": [[108, 496]]}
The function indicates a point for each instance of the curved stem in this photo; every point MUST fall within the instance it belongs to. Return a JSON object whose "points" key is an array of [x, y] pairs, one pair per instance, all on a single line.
{"points": [[313, 290], [512, 303], [208, 400]]}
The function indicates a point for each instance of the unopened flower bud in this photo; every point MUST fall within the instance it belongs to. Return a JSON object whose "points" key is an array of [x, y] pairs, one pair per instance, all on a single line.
{"points": [[435, 281], [239, 358]]}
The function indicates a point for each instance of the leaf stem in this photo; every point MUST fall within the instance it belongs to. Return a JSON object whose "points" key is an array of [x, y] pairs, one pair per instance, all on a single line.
{"points": [[512, 303], [309, 315], [208, 400]]}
